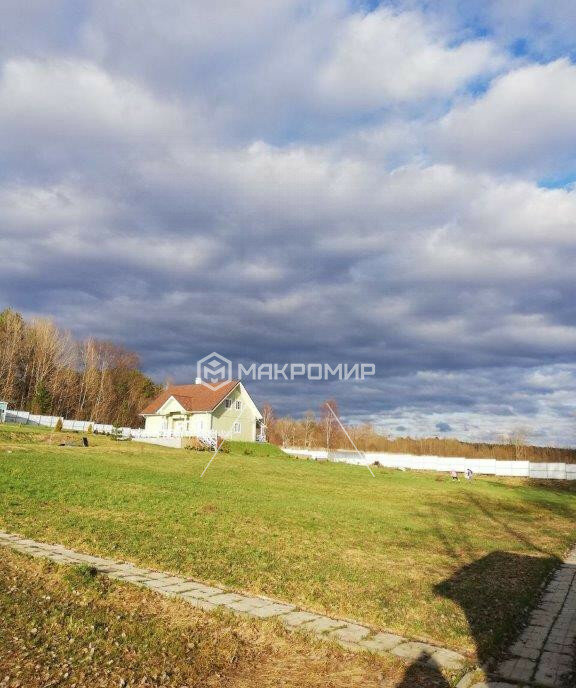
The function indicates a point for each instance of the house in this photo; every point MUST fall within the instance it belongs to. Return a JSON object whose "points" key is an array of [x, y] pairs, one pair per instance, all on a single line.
{"points": [[199, 411]]}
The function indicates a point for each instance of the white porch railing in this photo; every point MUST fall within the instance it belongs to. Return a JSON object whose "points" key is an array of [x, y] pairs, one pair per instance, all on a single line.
{"points": [[207, 437], [185, 433]]}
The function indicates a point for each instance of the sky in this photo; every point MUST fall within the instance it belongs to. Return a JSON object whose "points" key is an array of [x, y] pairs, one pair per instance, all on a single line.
{"points": [[306, 181]]}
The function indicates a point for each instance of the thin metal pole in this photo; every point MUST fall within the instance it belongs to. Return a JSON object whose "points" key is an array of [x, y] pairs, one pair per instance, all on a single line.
{"points": [[221, 443], [351, 440]]}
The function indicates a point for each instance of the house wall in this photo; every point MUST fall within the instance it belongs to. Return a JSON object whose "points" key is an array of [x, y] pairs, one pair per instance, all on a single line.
{"points": [[200, 422], [171, 406], [224, 418], [153, 425], [192, 422]]}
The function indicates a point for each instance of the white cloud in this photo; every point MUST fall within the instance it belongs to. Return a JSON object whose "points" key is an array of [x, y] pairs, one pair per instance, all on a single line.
{"points": [[197, 29], [524, 123], [38, 210], [488, 404], [64, 99], [382, 58]]}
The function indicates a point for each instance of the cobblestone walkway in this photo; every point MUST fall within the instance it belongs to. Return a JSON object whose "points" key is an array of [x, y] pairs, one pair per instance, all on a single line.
{"points": [[346, 633], [545, 651]]}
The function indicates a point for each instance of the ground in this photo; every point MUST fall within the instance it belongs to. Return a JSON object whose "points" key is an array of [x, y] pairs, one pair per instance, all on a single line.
{"points": [[62, 626], [414, 553]]}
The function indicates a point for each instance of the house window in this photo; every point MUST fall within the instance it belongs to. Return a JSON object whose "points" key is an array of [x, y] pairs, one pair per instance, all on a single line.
{"points": [[238, 405], [237, 428], [228, 403]]}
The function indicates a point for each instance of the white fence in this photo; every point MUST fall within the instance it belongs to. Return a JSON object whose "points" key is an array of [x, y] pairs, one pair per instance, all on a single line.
{"points": [[525, 469], [26, 418]]}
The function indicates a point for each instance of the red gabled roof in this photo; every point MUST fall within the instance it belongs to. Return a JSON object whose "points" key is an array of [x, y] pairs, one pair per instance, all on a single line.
{"points": [[193, 398]]}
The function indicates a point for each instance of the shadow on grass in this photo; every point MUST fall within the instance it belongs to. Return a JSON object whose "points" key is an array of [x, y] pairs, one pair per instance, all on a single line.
{"points": [[494, 593], [494, 590], [418, 675]]}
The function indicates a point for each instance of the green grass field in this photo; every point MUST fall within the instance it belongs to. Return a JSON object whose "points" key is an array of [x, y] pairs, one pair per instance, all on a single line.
{"points": [[414, 553]]}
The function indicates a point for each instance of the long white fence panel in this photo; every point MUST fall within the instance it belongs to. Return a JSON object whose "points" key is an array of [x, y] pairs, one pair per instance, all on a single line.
{"points": [[26, 418], [522, 469]]}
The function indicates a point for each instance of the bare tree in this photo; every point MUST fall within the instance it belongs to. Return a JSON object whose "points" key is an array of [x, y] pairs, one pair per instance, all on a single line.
{"points": [[267, 415], [518, 438], [286, 428], [43, 369], [329, 412], [11, 344], [308, 425]]}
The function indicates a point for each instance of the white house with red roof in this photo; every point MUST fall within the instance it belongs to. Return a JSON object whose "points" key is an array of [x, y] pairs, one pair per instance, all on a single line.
{"points": [[199, 411]]}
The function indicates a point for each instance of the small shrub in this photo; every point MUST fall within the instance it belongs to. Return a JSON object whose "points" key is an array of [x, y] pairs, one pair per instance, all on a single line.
{"points": [[90, 430], [59, 425], [224, 446], [194, 444], [115, 433]]}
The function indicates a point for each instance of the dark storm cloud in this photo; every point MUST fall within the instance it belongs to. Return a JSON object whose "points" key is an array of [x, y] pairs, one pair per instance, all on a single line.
{"points": [[143, 202]]}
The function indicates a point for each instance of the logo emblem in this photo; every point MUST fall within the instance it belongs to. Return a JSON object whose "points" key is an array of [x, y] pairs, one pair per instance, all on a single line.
{"points": [[214, 370]]}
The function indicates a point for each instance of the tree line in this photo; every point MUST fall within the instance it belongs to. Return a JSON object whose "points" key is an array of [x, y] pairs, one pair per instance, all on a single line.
{"points": [[321, 430], [44, 370]]}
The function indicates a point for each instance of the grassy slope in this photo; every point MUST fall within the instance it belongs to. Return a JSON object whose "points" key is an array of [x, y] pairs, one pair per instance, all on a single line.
{"points": [[63, 627], [410, 552]]}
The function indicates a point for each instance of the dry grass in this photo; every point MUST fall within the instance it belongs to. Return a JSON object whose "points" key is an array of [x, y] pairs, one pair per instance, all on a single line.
{"points": [[62, 626]]}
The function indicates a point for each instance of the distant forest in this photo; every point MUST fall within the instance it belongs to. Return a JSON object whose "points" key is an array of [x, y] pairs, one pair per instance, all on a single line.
{"points": [[321, 430], [43, 369]]}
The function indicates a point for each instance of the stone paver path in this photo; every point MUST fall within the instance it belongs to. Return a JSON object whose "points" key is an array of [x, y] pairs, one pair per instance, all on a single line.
{"points": [[544, 653], [346, 633]]}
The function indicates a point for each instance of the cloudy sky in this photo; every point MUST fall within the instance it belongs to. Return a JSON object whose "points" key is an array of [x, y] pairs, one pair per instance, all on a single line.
{"points": [[305, 180]]}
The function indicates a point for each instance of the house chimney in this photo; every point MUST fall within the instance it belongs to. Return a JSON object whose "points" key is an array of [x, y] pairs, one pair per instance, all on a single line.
{"points": [[198, 381]]}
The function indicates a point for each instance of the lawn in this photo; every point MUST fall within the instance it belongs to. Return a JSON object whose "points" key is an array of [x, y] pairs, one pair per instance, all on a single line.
{"points": [[414, 553], [63, 626]]}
